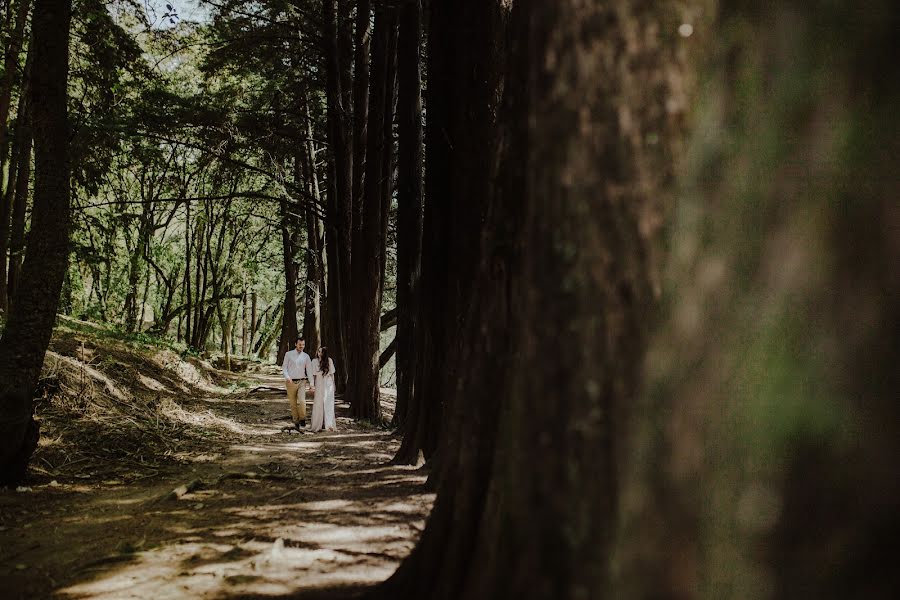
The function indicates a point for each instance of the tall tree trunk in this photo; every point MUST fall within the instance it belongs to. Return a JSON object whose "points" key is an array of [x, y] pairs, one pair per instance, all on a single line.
{"points": [[361, 51], [388, 158], [30, 324], [409, 200], [360, 147], [338, 232], [254, 323], [245, 324], [526, 504], [312, 311], [464, 69], [188, 311], [20, 206], [368, 238], [10, 239], [15, 26], [199, 278], [315, 279], [10, 68]]}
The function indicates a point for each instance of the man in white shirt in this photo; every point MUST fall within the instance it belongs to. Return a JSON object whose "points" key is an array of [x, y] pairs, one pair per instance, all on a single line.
{"points": [[297, 370]]}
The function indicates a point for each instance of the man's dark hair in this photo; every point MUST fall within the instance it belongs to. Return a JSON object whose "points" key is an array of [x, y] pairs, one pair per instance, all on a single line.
{"points": [[299, 339]]}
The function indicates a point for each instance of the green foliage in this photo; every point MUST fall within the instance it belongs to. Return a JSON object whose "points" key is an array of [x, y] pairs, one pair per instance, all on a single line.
{"points": [[184, 141]]}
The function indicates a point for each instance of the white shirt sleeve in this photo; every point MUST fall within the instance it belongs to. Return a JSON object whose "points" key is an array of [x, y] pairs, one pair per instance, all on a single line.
{"points": [[311, 371], [330, 367], [284, 364]]}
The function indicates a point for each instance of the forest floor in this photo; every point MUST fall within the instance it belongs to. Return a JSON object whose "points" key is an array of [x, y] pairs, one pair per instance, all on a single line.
{"points": [[162, 477]]}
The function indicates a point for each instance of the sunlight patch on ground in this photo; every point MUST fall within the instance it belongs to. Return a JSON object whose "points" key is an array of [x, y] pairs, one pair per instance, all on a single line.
{"points": [[152, 384], [205, 419], [324, 555], [325, 505], [55, 360]]}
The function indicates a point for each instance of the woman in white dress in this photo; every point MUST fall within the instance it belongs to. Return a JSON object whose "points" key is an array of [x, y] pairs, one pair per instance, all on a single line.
{"points": [[323, 401]]}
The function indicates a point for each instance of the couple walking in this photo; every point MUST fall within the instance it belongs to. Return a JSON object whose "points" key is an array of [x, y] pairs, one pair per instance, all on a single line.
{"points": [[299, 371]]}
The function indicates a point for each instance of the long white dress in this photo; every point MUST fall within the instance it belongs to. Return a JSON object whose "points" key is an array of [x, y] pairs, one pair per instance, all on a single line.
{"points": [[323, 401]]}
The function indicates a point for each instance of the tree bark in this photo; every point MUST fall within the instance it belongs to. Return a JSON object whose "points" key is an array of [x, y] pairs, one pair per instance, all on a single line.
{"points": [[10, 68], [409, 200], [30, 324], [464, 70], [11, 60], [289, 327], [189, 306], [20, 206], [312, 293], [368, 245], [361, 69], [245, 324], [23, 142], [340, 185], [527, 498]]}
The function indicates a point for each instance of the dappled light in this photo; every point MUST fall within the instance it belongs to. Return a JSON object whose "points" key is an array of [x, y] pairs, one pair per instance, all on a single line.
{"points": [[261, 511]]}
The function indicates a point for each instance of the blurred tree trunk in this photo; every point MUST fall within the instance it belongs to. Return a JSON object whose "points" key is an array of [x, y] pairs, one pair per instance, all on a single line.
{"points": [[409, 200], [767, 465], [30, 323]]}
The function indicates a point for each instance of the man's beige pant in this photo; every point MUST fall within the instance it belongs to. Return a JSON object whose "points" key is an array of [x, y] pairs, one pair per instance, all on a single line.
{"points": [[296, 393]]}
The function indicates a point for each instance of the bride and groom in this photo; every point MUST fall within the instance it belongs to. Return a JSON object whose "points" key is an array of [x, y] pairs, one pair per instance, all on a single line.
{"points": [[318, 373]]}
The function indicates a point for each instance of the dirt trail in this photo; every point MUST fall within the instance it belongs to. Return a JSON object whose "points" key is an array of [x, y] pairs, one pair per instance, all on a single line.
{"points": [[267, 513]]}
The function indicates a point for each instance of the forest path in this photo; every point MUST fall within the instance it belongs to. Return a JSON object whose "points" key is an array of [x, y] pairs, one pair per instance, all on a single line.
{"points": [[266, 513]]}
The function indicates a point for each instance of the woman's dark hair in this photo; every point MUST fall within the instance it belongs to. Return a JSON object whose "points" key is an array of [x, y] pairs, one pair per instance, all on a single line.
{"points": [[324, 362]]}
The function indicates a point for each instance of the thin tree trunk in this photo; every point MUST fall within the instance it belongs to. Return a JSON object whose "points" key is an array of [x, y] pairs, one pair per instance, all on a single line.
{"points": [[23, 173], [7, 80], [312, 311], [187, 274], [20, 207], [289, 322], [254, 324], [360, 99], [245, 329], [142, 242], [30, 324]]}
